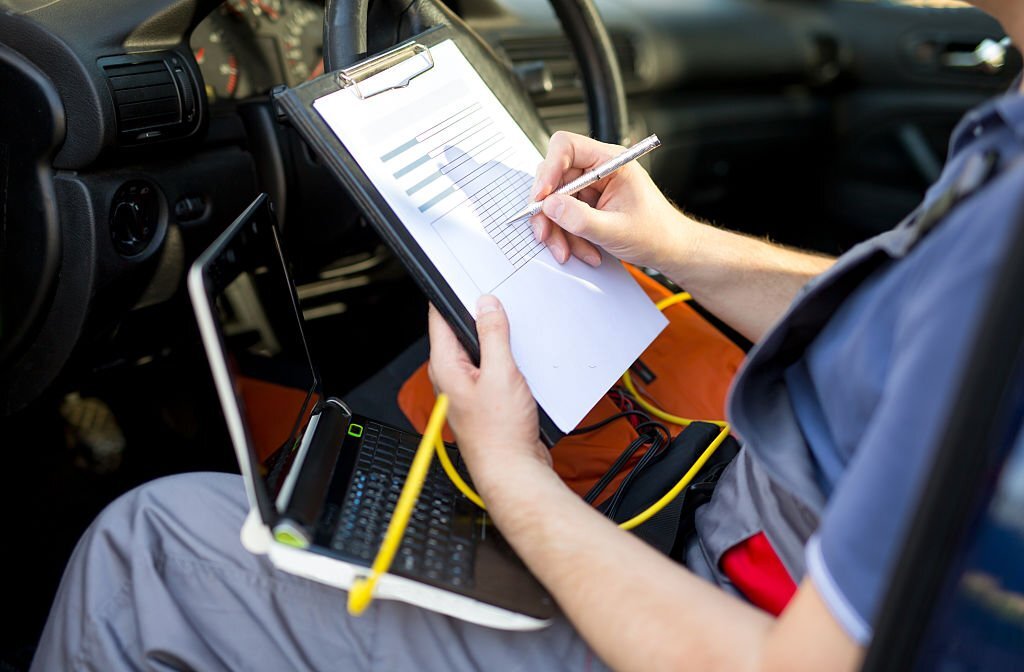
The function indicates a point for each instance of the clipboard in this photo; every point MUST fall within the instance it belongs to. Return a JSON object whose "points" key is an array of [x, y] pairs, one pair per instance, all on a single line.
{"points": [[406, 61]]}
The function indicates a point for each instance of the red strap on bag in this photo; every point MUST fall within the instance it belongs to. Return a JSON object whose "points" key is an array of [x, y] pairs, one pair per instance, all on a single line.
{"points": [[755, 569]]}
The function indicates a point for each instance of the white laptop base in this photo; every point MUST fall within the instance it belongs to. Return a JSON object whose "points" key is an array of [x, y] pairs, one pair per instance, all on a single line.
{"points": [[258, 539], [256, 535]]}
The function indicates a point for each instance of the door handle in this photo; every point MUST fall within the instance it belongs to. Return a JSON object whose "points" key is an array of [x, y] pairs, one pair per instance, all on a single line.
{"points": [[989, 56]]}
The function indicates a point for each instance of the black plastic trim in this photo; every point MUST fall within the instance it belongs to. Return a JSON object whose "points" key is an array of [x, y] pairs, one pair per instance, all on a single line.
{"points": [[317, 468], [602, 78]]}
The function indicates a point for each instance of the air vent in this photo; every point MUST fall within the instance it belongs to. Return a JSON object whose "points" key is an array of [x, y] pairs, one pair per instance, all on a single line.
{"points": [[557, 55], [154, 96]]}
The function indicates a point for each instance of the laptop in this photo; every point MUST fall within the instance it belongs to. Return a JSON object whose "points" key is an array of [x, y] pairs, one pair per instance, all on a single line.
{"points": [[321, 480]]}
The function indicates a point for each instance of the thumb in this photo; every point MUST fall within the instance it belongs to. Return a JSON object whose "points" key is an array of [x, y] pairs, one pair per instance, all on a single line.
{"points": [[493, 332], [578, 218]]}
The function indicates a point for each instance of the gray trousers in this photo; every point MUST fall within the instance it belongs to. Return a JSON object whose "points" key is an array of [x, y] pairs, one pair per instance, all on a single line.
{"points": [[160, 581]]}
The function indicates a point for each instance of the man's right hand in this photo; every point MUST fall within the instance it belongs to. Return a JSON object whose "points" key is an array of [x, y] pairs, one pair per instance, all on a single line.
{"points": [[746, 282], [624, 213]]}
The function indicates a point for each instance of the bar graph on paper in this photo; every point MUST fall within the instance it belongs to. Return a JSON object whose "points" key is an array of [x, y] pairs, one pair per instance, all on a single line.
{"points": [[452, 165], [458, 162]]}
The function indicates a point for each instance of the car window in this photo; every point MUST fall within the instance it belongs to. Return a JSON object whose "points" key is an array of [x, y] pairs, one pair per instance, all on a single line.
{"points": [[978, 622], [928, 4]]}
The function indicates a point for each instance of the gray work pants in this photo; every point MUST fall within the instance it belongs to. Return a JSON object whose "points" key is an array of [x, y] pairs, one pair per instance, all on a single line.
{"points": [[160, 581]]}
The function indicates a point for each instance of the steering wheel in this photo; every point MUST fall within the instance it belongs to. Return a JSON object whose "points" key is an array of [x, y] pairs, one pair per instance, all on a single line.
{"points": [[352, 29]]}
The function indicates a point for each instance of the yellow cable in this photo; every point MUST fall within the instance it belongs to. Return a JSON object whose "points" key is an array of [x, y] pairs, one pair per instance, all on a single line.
{"points": [[361, 593], [673, 300], [653, 509], [649, 512], [640, 518], [453, 474], [627, 381]]}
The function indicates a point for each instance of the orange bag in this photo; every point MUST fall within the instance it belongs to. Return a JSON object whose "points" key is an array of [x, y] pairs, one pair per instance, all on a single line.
{"points": [[694, 365]]}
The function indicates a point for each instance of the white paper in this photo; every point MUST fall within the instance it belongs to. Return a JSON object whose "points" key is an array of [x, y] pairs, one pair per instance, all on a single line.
{"points": [[453, 164]]}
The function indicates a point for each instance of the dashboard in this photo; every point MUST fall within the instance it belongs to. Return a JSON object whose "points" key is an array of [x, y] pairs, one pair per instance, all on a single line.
{"points": [[752, 98], [245, 47]]}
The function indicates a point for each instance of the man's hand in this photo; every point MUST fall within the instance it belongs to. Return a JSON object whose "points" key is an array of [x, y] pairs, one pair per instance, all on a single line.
{"points": [[492, 411], [625, 213], [636, 607]]}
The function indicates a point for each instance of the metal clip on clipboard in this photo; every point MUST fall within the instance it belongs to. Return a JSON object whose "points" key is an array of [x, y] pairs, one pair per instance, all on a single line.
{"points": [[390, 70]]}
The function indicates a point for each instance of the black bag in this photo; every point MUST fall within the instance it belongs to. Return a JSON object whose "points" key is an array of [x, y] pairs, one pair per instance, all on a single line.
{"points": [[668, 529]]}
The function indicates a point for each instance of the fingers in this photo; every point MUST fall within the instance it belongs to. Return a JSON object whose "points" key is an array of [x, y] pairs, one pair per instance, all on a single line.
{"points": [[557, 245], [450, 367], [541, 227], [562, 245], [492, 330], [584, 250], [568, 151], [537, 193], [448, 359], [443, 341], [579, 218], [590, 196]]}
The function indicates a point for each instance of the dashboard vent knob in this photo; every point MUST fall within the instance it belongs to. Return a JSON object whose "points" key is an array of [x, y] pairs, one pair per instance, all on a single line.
{"points": [[155, 96]]}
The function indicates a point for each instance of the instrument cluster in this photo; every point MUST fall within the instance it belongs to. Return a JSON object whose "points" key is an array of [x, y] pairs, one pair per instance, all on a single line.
{"points": [[246, 47]]}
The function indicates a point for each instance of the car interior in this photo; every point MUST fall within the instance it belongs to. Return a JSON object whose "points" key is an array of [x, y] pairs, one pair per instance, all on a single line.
{"points": [[133, 133]]}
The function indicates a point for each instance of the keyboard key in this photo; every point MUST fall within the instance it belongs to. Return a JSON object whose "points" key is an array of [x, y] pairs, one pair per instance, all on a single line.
{"points": [[462, 523], [438, 541]]}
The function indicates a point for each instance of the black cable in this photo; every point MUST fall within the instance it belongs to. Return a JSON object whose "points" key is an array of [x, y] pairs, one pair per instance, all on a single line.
{"points": [[657, 425], [612, 507], [645, 461], [620, 462], [643, 438], [617, 466], [610, 419]]}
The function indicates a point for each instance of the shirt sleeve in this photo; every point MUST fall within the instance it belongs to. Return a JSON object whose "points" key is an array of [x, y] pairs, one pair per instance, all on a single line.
{"points": [[862, 529]]}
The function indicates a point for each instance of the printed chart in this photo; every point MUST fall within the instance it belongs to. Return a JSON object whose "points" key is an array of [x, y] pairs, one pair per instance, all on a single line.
{"points": [[460, 162]]}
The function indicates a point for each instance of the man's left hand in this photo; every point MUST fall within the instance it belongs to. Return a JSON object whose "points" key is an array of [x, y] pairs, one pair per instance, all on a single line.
{"points": [[492, 411]]}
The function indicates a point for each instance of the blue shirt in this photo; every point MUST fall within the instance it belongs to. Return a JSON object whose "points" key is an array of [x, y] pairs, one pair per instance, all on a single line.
{"points": [[870, 394]]}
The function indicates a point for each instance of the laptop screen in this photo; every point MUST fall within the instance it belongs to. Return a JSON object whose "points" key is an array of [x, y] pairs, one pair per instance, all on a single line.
{"points": [[255, 310]]}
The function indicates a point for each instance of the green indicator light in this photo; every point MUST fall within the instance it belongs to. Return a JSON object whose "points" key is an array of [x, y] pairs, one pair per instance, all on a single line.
{"points": [[290, 539], [355, 430]]}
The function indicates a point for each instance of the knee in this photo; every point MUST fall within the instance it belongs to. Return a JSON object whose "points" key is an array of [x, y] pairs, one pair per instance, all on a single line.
{"points": [[181, 498], [119, 572], [192, 514]]}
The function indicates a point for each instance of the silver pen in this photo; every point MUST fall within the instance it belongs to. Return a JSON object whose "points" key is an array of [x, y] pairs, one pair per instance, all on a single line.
{"points": [[588, 178]]}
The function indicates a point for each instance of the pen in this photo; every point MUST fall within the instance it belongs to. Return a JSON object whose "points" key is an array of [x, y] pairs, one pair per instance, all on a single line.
{"points": [[588, 178]]}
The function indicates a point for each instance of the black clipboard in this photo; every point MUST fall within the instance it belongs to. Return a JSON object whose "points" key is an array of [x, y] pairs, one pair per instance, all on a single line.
{"points": [[295, 105]]}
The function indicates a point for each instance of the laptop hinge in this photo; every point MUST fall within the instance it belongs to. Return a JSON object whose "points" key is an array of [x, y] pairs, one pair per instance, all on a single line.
{"points": [[288, 487], [309, 490]]}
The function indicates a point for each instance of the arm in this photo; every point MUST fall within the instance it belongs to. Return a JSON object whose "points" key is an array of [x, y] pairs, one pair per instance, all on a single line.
{"points": [[746, 282], [636, 608]]}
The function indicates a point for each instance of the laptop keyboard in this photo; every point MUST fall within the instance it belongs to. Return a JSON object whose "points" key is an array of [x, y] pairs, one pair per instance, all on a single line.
{"points": [[439, 540]]}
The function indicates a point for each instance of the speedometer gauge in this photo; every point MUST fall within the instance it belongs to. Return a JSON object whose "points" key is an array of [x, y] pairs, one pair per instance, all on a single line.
{"points": [[301, 41], [218, 62], [257, 10], [247, 47]]}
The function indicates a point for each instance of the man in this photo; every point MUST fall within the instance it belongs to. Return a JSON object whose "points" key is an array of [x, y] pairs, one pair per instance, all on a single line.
{"points": [[838, 407]]}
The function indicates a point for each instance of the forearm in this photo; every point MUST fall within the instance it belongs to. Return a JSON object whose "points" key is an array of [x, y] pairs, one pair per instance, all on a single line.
{"points": [[636, 608], [746, 282], [639, 610]]}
